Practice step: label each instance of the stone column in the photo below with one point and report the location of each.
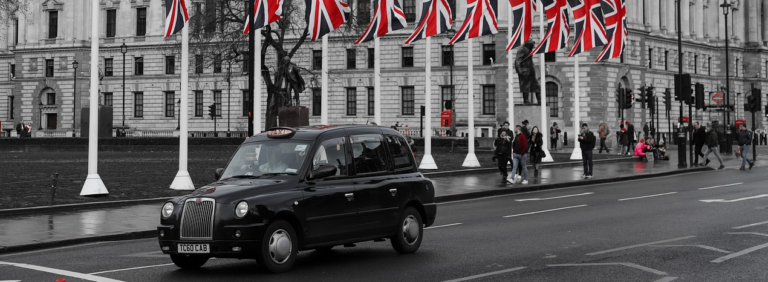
(671, 15)
(697, 13)
(764, 21)
(686, 18)
(753, 24)
(461, 10)
(737, 19)
(711, 13)
(654, 15)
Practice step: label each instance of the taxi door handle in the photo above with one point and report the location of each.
(350, 196)
(393, 191)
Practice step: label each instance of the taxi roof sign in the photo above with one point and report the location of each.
(281, 132)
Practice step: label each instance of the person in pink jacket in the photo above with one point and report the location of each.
(640, 148)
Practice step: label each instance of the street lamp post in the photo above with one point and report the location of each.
(727, 149)
(74, 98)
(123, 49)
(229, 96)
(178, 104)
(40, 106)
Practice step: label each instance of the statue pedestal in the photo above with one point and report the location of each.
(532, 113)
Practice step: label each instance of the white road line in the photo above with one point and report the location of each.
(698, 246)
(439, 226)
(538, 212)
(740, 253)
(558, 197)
(485, 274)
(627, 264)
(132, 268)
(721, 186)
(750, 225)
(649, 196)
(666, 279)
(61, 272)
(748, 233)
(735, 200)
(639, 245)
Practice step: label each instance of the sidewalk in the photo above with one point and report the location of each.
(57, 228)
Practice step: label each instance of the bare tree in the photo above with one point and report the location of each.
(10, 7)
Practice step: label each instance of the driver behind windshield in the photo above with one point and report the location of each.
(274, 162)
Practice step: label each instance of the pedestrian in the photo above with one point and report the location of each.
(603, 133)
(641, 149)
(29, 129)
(554, 135)
(661, 149)
(587, 143)
(764, 136)
(698, 141)
(712, 147)
(646, 130)
(745, 141)
(519, 153)
(504, 127)
(502, 153)
(624, 140)
(524, 129)
(20, 129)
(632, 132)
(535, 143)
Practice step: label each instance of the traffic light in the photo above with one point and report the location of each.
(699, 96)
(212, 110)
(649, 99)
(667, 99)
(757, 93)
(683, 87)
(628, 98)
(641, 97)
(620, 97)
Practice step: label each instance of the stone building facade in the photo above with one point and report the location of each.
(38, 47)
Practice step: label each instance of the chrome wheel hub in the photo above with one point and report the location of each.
(410, 230)
(280, 246)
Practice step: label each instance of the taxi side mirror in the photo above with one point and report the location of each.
(323, 171)
(218, 173)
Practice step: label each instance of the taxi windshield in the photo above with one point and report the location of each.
(254, 160)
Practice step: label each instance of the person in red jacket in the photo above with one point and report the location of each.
(519, 154)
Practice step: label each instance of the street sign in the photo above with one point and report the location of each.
(717, 98)
(685, 120)
(739, 122)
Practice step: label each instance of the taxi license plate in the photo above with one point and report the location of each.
(193, 249)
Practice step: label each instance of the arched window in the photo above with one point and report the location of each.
(552, 98)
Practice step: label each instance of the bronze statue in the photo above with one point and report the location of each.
(294, 80)
(526, 72)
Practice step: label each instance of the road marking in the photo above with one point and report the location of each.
(666, 279)
(61, 272)
(538, 212)
(750, 225)
(649, 196)
(486, 274)
(740, 253)
(639, 245)
(627, 264)
(559, 197)
(439, 226)
(748, 233)
(132, 268)
(698, 246)
(721, 186)
(735, 200)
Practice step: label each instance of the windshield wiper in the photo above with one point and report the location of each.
(277, 173)
(243, 176)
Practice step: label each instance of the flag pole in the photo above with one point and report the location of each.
(376, 81)
(257, 83)
(576, 154)
(182, 181)
(510, 68)
(428, 162)
(471, 159)
(324, 86)
(93, 185)
(547, 156)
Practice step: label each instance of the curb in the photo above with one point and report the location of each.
(76, 241)
(81, 206)
(543, 165)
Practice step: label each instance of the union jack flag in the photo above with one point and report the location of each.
(590, 25)
(481, 20)
(266, 11)
(615, 13)
(557, 27)
(176, 16)
(387, 17)
(435, 19)
(522, 11)
(324, 16)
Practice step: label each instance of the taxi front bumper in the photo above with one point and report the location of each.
(226, 243)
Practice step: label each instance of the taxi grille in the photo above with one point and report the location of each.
(197, 219)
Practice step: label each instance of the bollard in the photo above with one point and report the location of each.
(54, 182)
(565, 139)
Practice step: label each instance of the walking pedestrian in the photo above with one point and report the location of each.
(502, 152)
(745, 141)
(519, 153)
(632, 133)
(554, 135)
(603, 133)
(535, 150)
(587, 143)
(504, 127)
(624, 140)
(646, 130)
(712, 147)
(764, 136)
(20, 129)
(698, 141)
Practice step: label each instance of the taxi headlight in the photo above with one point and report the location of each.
(167, 210)
(241, 209)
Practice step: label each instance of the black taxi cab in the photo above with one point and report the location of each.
(308, 188)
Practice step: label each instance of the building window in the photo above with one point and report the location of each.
(317, 59)
(217, 101)
(111, 22)
(410, 10)
(447, 51)
(552, 90)
(489, 54)
(170, 104)
(108, 99)
(198, 63)
(246, 103)
(13, 70)
(696, 64)
(650, 58)
(363, 12)
(141, 21)
(371, 100)
(489, 99)
(452, 4)
(408, 100)
(49, 68)
(246, 63)
(138, 66)
(108, 67)
(197, 20)
(170, 64)
(15, 33)
(51, 99)
(316, 103)
(138, 104)
(351, 101)
(550, 57)
(666, 60)
(10, 106)
(709, 66)
(736, 68)
(407, 57)
(53, 24)
(198, 103)
(371, 57)
(446, 95)
(217, 64)
(210, 17)
(351, 59)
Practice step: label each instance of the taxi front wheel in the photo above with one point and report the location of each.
(410, 230)
(279, 248)
(188, 262)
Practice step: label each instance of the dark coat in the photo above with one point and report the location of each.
(745, 137)
(554, 133)
(524, 130)
(588, 143)
(535, 146)
(712, 139)
(624, 140)
(631, 130)
(520, 144)
(509, 132)
(700, 136)
(503, 146)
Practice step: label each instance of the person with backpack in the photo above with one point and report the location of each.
(745, 141)
(587, 143)
(712, 147)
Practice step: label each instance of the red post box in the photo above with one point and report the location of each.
(445, 118)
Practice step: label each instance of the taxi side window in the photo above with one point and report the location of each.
(368, 153)
(400, 151)
(333, 152)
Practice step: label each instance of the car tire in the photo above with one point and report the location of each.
(188, 261)
(410, 231)
(278, 248)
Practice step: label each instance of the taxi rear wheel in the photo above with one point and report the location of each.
(409, 233)
(188, 262)
(279, 248)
